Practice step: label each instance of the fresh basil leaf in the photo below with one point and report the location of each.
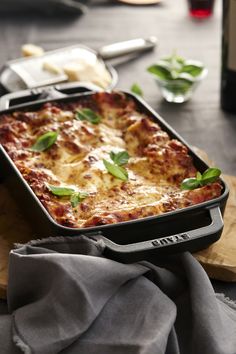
(116, 171)
(190, 183)
(165, 64)
(88, 115)
(179, 86)
(180, 60)
(61, 191)
(179, 74)
(193, 70)
(121, 158)
(186, 77)
(135, 88)
(199, 176)
(177, 58)
(210, 175)
(160, 71)
(173, 64)
(76, 198)
(113, 156)
(44, 142)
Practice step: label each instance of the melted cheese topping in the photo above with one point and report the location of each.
(156, 167)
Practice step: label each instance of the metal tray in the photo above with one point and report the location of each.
(27, 72)
(191, 228)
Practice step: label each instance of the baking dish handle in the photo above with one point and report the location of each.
(215, 227)
(46, 92)
(131, 46)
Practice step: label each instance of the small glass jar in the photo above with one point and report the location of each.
(180, 89)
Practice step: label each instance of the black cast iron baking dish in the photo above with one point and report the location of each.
(191, 228)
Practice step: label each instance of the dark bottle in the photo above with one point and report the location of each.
(228, 70)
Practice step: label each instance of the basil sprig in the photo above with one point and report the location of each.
(174, 67)
(44, 142)
(60, 191)
(75, 197)
(135, 88)
(192, 69)
(161, 70)
(209, 176)
(88, 114)
(115, 169)
(121, 158)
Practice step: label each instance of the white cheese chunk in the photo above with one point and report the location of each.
(82, 71)
(52, 68)
(30, 50)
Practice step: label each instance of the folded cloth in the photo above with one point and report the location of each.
(64, 296)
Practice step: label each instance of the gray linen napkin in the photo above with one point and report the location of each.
(65, 297)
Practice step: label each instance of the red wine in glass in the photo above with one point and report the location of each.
(201, 8)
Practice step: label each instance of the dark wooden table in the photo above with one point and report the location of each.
(200, 121)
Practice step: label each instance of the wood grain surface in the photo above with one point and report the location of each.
(13, 229)
(219, 259)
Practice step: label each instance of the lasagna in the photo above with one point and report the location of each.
(155, 167)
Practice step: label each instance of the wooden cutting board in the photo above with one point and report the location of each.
(13, 229)
(219, 259)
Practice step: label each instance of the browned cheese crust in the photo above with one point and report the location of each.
(156, 167)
